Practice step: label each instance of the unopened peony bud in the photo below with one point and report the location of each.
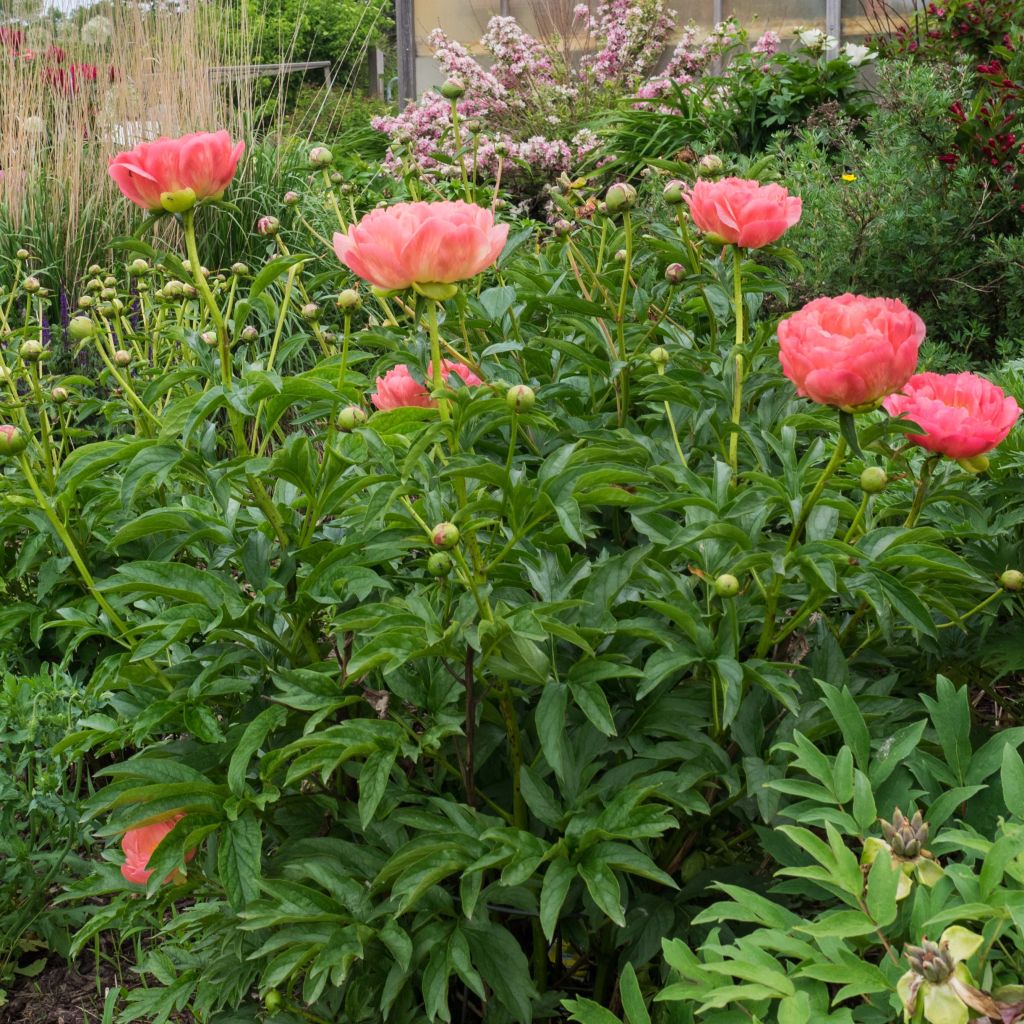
(350, 417)
(122, 357)
(208, 338)
(520, 398)
(337, 177)
(105, 309)
(727, 585)
(1012, 580)
(659, 356)
(453, 89)
(562, 227)
(873, 480)
(12, 440)
(106, 294)
(94, 284)
(268, 226)
(81, 327)
(23, 254)
(674, 193)
(189, 291)
(710, 165)
(445, 535)
(249, 333)
(31, 285)
(95, 269)
(239, 269)
(85, 302)
(111, 282)
(272, 1000)
(674, 273)
(174, 289)
(31, 351)
(349, 300)
(59, 395)
(620, 256)
(439, 563)
(620, 197)
(290, 199)
(320, 156)
(311, 312)
(138, 268)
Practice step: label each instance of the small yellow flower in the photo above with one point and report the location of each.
(849, 177)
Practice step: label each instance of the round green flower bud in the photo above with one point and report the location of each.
(709, 165)
(727, 585)
(239, 269)
(268, 226)
(320, 156)
(12, 440)
(272, 1000)
(562, 227)
(81, 327)
(138, 268)
(208, 338)
(290, 199)
(675, 192)
(350, 417)
(105, 309)
(1012, 580)
(873, 480)
(620, 256)
(659, 356)
(249, 333)
(439, 563)
(85, 302)
(31, 285)
(59, 395)
(23, 254)
(31, 351)
(520, 398)
(123, 357)
(311, 312)
(174, 289)
(674, 273)
(106, 294)
(620, 197)
(189, 291)
(349, 299)
(445, 535)
(453, 89)
(95, 269)
(337, 177)
(975, 464)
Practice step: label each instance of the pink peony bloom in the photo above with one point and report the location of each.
(421, 243)
(962, 414)
(850, 351)
(138, 845)
(742, 212)
(398, 387)
(159, 175)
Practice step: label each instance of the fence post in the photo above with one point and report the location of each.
(375, 72)
(834, 21)
(405, 30)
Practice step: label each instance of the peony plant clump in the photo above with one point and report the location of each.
(454, 592)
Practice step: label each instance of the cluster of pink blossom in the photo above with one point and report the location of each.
(768, 44)
(521, 64)
(691, 58)
(634, 33)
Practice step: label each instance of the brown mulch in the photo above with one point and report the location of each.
(64, 994)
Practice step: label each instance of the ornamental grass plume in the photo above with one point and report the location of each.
(850, 351)
(409, 244)
(741, 212)
(961, 415)
(398, 388)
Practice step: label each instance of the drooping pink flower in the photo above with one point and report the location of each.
(140, 843)
(743, 212)
(962, 415)
(850, 351)
(159, 175)
(421, 243)
(398, 388)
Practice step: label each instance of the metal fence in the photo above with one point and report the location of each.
(465, 20)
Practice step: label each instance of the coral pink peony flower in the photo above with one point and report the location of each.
(421, 243)
(398, 387)
(172, 174)
(138, 845)
(962, 415)
(850, 351)
(742, 212)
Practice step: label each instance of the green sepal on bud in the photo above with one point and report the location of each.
(178, 202)
(12, 440)
(350, 417)
(348, 300)
(1012, 580)
(659, 356)
(80, 328)
(439, 563)
(873, 480)
(445, 536)
(727, 585)
(439, 291)
(974, 465)
(520, 398)
(453, 89)
(675, 193)
(620, 197)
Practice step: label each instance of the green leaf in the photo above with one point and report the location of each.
(632, 998)
(239, 855)
(883, 881)
(251, 740)
(951, 715)
(1012, 777)
(586, 1011)
(553, 891)
(603, 887)
(550, 721)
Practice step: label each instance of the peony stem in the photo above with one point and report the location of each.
(920, 494)
(435, 359)
(737, 384)
(819, 487)
(620, 316)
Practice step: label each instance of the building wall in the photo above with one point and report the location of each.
(465, 20)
